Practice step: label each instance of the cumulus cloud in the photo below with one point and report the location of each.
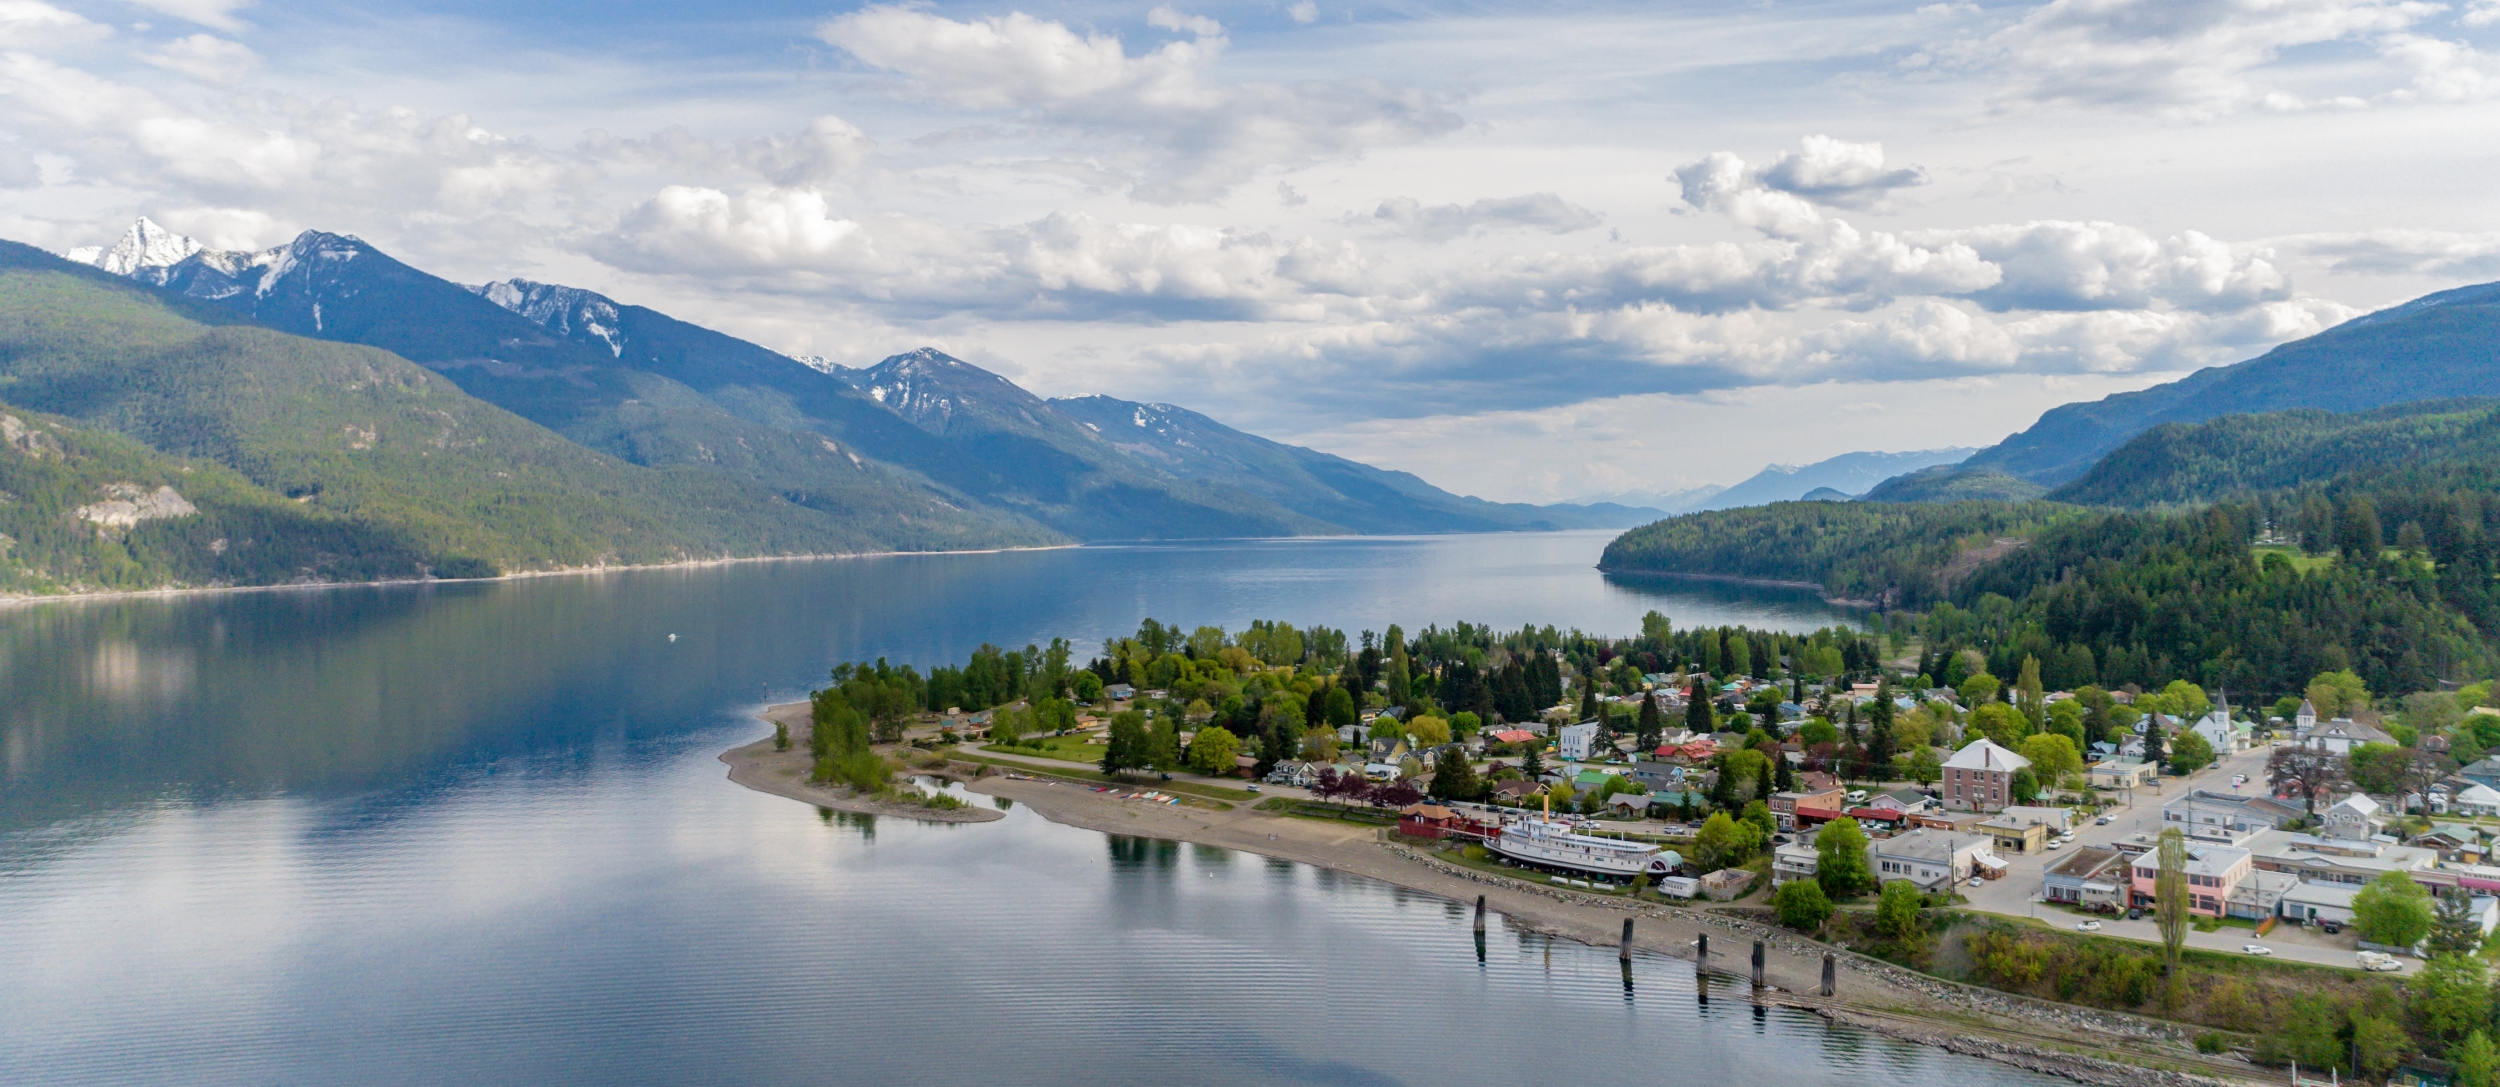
(1829, 171)
(2055, 265)
(1182, 136)
(34, 25)
(2186, 59)
(2440, 70)
(1064, 266)
(1541, 211)
(207, 58)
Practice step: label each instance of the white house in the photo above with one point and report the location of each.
(1931, 859)
(2341, 735)
(2306, 717)
(1576, 741)
(2475, 799)
(2354, 818)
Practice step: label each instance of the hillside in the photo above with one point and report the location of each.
(1311, 483)
(2239, 455)
(361, 434)
(1954, 483)
(2437, 347)
(88, 509)
(1896, 554)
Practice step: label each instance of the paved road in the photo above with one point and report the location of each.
(2018, 894)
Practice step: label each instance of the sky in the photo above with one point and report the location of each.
(1532, 252)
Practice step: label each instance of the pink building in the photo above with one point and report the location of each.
(2213, 872)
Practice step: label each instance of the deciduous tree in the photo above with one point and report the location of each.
(1840, 859)
(2393, 910)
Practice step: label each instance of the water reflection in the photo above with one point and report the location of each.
(335, 691)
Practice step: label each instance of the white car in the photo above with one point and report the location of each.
(2377, 962)
(2057, 843)
(2087, 926)
(2257, 949)
(2102, 821)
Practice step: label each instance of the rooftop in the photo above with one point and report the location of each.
(1985, 754)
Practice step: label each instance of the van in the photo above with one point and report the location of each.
(1857, 796)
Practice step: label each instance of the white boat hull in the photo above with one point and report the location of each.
(1576, 852)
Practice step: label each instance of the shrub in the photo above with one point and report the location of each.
(1802, 905)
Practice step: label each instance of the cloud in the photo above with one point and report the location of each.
(1306, 12)
(2056, 265)
(34, 25)
(2481, 13)
(18, 169)
(1541, 211)
(1064, 266)
(2440, 253)
(1166, 18)
(1830, 171)
(2183, 59)
(828, 148)
(1178, 135)
(2441, 71)
(207, 58)
(210, 13)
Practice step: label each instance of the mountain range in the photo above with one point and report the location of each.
(642, 426)
(2437, 347)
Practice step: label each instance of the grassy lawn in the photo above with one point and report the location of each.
(1334, 813)
(2300, 562)
(1069, 748)
(1190, 788)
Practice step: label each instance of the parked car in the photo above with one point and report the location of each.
(2378, 962)
(2057, 843)
(2331, 927)
(2257, 949)
(1253, 787)
(2102, 821)
(2135, 913)
(2087, 926)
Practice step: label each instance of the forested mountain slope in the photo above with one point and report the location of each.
(2243, 454)
(359, 433)
(2437, 347)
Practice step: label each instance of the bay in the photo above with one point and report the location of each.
(475, 834)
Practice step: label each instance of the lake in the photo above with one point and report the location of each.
(475, 834)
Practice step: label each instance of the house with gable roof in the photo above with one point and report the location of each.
(1980, 776)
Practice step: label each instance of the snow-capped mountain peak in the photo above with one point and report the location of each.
(560, 309)
(144, 245)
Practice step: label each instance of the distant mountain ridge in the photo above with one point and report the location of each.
(1315, 484)
(919, 430)
(1848, 473)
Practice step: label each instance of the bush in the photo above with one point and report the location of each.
(463, 567)
(1802, 905)
(1896, 910)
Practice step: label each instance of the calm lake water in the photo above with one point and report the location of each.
(475, 834)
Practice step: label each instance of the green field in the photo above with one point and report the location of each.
(1069, 748)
